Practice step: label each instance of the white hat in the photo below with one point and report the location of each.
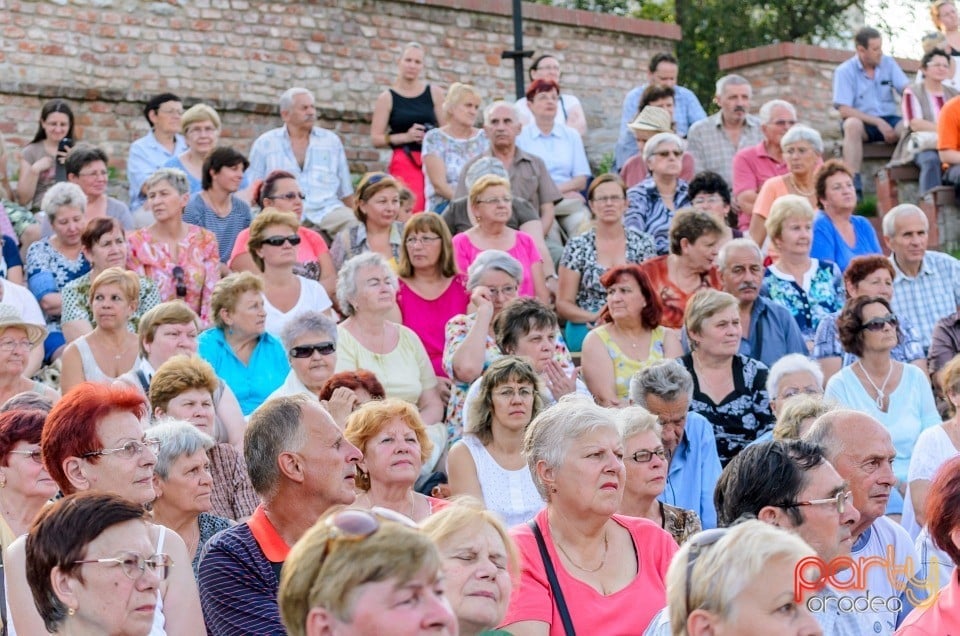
(10, 317)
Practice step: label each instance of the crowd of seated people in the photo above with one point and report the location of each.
(257, 398)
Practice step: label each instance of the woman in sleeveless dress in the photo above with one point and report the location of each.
(402, 115)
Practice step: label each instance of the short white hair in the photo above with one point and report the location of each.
(890, 218)
(286, 100)
(732, 80)
(742, 243)
(488, 111)
(791, 363)
(766, 111)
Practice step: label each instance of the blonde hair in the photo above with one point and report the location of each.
(172, 312)
(127, 281)
(469, 513)
(795, 411)
(227, 292)
(457, 93)
(199, 113)
(258, 227)
(787, 207)
(703, 305)
(484, 182)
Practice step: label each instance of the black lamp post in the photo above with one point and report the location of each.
(517, 54)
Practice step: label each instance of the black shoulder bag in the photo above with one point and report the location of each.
(554, 583)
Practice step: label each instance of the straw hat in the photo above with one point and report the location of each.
(10, 317)
(653, 118)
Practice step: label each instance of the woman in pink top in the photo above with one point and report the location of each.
(431, 290)
(611, 569)
(490, 203)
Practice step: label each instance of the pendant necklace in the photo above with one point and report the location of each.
(879, 389)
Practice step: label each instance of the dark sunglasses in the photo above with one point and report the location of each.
(277, 241)
(305, 351)
(878, 323)
(178, 277)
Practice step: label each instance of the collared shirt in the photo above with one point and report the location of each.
(944, 342)
(647, 212)
(931, 295)
(753, 166)
(686, 112)
(268, 361)
(712, 149)
(529, 179)
(694, 471)
(324, 177)
(561, 150)
(871, 96)
(147, 155)
(353, 241)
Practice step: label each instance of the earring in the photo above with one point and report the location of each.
(71, 611)
(3, 480)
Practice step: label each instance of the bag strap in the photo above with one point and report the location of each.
(552, 577)
(3, 599)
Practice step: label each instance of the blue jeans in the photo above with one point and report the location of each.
(929, 163)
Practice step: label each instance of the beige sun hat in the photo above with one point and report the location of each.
(10, 317)
(653, 118)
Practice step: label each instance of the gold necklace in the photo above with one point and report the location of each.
(603, 559)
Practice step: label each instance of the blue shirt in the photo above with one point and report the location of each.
(268, 363)
(931, 295)
(828, 245)
(686, 111)
(147, 155)
(694, 471)
(561, 150)
(647, 213)
(324, 178)
(852, 87)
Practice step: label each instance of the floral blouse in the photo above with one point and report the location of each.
(580, 255)
(455, 154)
(76, 301)
(198, 255)
(820, 294)
(742, 416)
(679, 522)
(48, 271)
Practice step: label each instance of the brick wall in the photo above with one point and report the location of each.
(107, 56)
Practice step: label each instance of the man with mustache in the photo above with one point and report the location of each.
(862, 451)
(715, 140)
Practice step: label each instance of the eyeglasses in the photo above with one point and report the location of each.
(205, 130)
(708, 199)
(510, 394)
(178, 277)
(698, 545)
(129, 450)
(808, 390)
(421, 240)
(669, 153)
(878, 323)
(604, 200)
(840, 501)
(496, 201)
(355, 525)
(94, 173)
(10, 345)
(646, 456)
(170, 111)
(305, 351)
(783, 123)
(288, 196)
(506, 290)
(134, 565)
(277, 241)
(32, 454)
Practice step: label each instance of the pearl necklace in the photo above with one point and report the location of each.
(879, 389)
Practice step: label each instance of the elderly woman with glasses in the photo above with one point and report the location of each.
(791, 377)
(92, 568)
(200, 127)
(184, 485)
(182, 259)
(652, 203)
(18, 339)
(25, 485)
(897, 395)
(93, 441)
(610, 568)
(86, 166)
(377, 208)
(310, 340)
(645, 461)
(364, 573)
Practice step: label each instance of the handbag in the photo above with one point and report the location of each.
(552, 577)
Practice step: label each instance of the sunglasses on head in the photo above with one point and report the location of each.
(372, 180)
(178, 277)
(878, 323)
(305, 351)
(699, 544)
(277, 241)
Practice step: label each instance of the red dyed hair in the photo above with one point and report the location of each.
(19, 426)
(353, 380)
(71, 427)
(652, 311)
(943, 507)
(541, 86)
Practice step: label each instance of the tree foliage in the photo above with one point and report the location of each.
(713, 27)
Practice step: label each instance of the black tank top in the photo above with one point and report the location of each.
(408, 111)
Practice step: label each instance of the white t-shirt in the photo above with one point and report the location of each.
(932, 450)
(313, 297)
(569, 102)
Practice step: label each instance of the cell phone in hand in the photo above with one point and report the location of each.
(64, 146)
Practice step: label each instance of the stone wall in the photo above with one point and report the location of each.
(107, 56)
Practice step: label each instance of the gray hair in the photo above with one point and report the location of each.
(496, 260)
(737, 244)
(274, 428)
(307, 322)
(173, 176)
(650, 148)
(890, 218)
(731, 80)
(286, 100)
(666, 379)
(791, 363)
(634, 420)
(802, 133)
(549, 435)
(347, 278)
(488, 111)
(766, 111)
(63, 195)
(177, 438)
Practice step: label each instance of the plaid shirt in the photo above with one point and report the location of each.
(713, 150)
(232, 495)
(931, 295)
